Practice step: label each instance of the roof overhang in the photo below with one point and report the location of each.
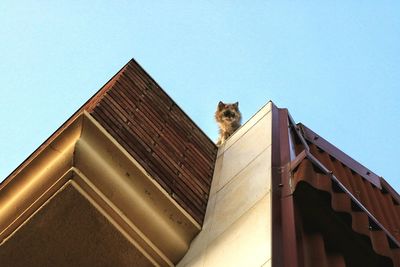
(326, 206)
(88, 159)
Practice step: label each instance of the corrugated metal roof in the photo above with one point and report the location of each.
(341, 214)
(345, 230)
(334, 152)
(152, 128)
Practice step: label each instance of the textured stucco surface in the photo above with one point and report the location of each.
(69, 231)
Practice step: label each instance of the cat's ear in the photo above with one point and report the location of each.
(236, 105)
(221, 105)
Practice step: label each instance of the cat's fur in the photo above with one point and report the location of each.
(228, 118)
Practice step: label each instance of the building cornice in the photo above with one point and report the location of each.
(85, 155)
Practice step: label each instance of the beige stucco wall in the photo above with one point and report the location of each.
(237, 226)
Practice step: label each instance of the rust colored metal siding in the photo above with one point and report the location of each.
(340, 213)
(334, 220)
(334, 152)
(158, 134)
(372, 191)
(284, 245)
(378, 202)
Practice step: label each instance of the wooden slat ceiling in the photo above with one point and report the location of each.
(134, 109)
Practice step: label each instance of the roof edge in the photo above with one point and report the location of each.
(354, 165)
(59, 130)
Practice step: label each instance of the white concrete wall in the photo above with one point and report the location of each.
(237, 226)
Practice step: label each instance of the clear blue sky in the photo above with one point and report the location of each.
(334, 64)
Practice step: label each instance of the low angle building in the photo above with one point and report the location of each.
(131, 180)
